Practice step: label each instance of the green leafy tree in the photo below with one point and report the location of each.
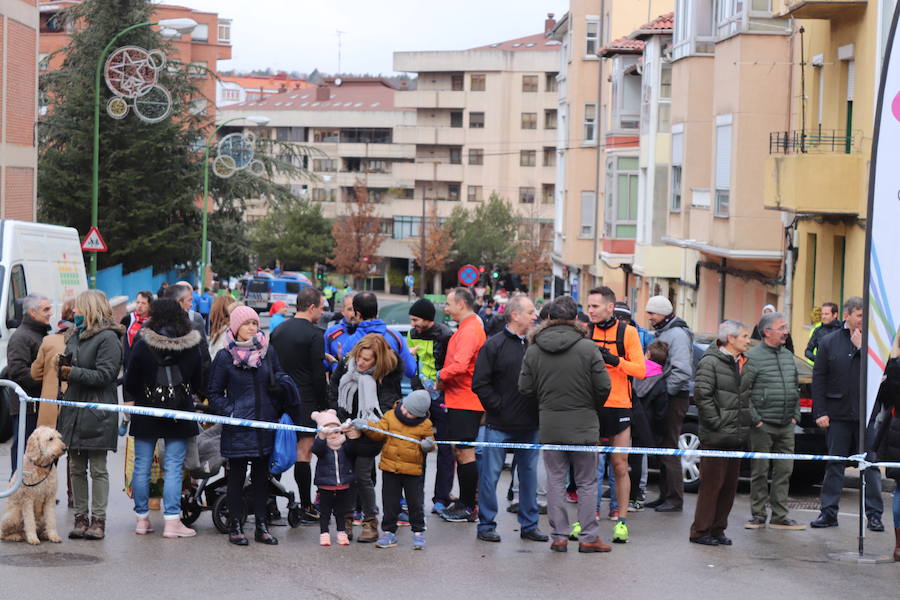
(485, 236)
(294, 234)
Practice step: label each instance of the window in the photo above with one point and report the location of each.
(677, 160)
(476, 120)
(529, 83)
(526, 195)
(200, 33)
(367, 135)
(17, 290)
(198, 106)
(626, 93)
(548, 193)
(406, 227)
(527, 158)
(549, 156)
(456, 118)
(529, 120)
(550, 118)
(622, 197)
(476, 156)
(590, 123)
(476, 82)
(326, 135)
(325, 165)
(550, 83)
(197, 68)
(728, 16)
(693, 28)
(290, 134)
(375, 166)
(723, 165)
(455, 156)
(44, 62)
(453, 192)
(591, 37)
(475, 193)
(299, 190)
(588, 212)
(456, 82)
(324, 195)
(224, 32)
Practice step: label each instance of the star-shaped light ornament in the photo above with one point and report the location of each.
(132, 73)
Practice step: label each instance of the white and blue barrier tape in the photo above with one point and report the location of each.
(209, 418)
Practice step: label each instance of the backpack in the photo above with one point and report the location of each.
(169, 390)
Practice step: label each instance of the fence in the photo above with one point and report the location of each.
(115, 282)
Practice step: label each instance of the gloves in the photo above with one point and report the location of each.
(609, 358)
(360, 423)
(427, 445)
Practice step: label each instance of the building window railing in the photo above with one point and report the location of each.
(815, 141)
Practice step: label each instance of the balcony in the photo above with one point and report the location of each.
(427, 171)
(823, 9)
(815, 174)
(374, 180)
(430, 99)
(377, 150)
(443, 136)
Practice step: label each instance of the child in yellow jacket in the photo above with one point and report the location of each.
(403, 464)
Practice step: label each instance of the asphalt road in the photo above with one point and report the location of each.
(658, 562)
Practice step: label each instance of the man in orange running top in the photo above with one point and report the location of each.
(620, 345)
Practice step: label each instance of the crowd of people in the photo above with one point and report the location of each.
(559, 376)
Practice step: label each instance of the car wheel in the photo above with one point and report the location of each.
(690, 465)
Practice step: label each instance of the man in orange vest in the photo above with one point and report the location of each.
(620, 345)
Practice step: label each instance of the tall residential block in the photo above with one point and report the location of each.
(18, 108)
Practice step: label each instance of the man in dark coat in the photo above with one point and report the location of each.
(831, 322)
(21, 351)
(510, 418)
(835, 390)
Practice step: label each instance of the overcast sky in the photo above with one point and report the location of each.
(300, 35)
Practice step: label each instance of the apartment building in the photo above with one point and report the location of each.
(599, 110)
(355, 124)
(730, 69)
(249, 88)
(816, 173)
(199, 50)
(19, 23)
(485, 121)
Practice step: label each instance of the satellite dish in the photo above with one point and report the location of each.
(338, 81)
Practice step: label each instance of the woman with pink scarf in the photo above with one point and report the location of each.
(246, 382)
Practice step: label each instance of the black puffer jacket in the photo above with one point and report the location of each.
(496, 381)
(724, 413)
(835, 384)
(885, 418)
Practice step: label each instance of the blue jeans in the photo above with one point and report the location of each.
(140, 481)
(601, 468)
(491, 461)
(897, 507)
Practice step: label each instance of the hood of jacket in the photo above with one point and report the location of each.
(98, 328)
(165, 343)
(674, 324)
(371, 326)
(555, 336)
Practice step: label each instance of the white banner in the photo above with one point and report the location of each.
(882, 275)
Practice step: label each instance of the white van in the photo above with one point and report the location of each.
(36, 258)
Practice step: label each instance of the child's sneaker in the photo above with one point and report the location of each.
(620, 533)
(613, 515)
(357, 517)
(387, 540)
(572, 497)
(419, 540)
(325, 539)
(575, 531)
(343, 539)
(403, 518)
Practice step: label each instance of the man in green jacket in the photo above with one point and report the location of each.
(769, 380)
(565, 373)
(724, 425)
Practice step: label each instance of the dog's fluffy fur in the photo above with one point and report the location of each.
(30, 512)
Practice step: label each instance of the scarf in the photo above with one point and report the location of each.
(664, 322)
(137, 322)
(354, 381)
(249, 354)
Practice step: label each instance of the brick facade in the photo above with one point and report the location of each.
(18, 192)
(21, 77)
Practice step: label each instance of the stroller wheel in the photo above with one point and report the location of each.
(294, 517)
(190, 510)
(220, 515)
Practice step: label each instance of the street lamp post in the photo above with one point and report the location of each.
(255, 120)
(169, 27)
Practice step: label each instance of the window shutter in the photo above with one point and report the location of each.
(723, 157)
(677, 149)
(851, 79)
(588, 217)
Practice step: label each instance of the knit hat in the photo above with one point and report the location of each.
(659, 305)
(418, 403)
(422, 308)
(326, 418)
(241, 315)
(276, 306)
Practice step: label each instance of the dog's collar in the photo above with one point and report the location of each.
(26, 484)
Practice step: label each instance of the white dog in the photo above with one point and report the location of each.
(30, 512)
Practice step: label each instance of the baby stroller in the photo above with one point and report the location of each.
(208, 495)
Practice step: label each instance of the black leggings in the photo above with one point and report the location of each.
(259, 481)
(334, 502)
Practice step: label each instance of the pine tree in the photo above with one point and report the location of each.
(357, 236)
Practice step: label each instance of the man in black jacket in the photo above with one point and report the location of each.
(835, 390)
(831, 322)
(300, 345)
(510, 418)
(21, 351)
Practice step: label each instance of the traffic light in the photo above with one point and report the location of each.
(495, 275)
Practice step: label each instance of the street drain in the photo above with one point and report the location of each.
(804, 503)
(49, 559)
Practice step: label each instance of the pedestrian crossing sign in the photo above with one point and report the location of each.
(93, 242)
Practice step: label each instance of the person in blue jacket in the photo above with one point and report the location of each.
(365, 308)
(341, 337)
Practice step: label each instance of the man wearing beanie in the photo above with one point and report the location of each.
(427, 340)
(403, 464)
(679, 371)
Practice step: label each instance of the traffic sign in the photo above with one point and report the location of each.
(93, 242)
(409, 280)
(468, 275)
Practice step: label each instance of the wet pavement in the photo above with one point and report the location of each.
(657, 562)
